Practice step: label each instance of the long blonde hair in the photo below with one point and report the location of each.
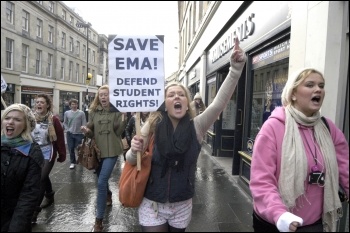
(96, 101)
(156, 117)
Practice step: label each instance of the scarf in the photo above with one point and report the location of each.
(49, 117)
(173, 144)
(13, 142)
(294, 167)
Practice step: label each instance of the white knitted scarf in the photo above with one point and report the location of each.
(294, 168)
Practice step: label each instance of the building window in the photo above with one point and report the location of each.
(51, 6)
(63, 61)
(39, 28)
(71, 44)
(89, 55)
(63, 43)
(9, 11)
(49, 65)
(77, 72)
(38, 62)
(70, 70)
(25, 49)
(71, 20)
(63, 14)
(78, 48)
(93, 56)
(25, 20)
(9, 53)
(84, 51)
(83, 73)
(50, 36)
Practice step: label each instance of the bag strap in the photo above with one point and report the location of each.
(74, 116)
(325, 122)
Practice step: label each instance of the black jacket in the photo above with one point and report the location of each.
(20, 187)
(176, 185)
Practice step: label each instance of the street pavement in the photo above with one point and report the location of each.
(219, 204)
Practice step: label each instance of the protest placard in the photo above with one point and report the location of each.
(136, 73)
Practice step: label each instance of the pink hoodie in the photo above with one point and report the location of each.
(265, 170)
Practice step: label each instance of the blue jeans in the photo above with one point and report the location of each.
(73, 140)
(104, 172)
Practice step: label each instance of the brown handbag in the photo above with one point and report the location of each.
(89, 154)
(132, 183)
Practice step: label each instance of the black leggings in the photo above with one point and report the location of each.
(162, 228)
(45, 183)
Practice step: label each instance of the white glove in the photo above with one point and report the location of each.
(286, 219)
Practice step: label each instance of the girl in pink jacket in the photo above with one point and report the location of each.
(298, 162)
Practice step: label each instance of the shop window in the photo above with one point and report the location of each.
(269, 82)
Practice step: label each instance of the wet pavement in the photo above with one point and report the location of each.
(219, 204)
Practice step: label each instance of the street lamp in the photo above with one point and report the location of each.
(88, 75)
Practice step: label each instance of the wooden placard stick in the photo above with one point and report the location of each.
(138, 133)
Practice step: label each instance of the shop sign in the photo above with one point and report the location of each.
(271, 55)
(36, 90)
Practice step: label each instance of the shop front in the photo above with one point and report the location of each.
(65, 96)
(9, 95)
(258, 31)
(29, 94)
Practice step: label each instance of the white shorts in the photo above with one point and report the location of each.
(177, 214)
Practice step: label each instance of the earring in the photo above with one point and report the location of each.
(293, 98)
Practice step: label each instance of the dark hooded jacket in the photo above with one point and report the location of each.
(20, 185)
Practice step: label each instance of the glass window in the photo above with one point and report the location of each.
(63, 62)
(269, 82)
(63, 42)
(63, 14)
(78, 48)
(51, 6)
(49, 65)
(10, 7)
(50, 37)
(71, 44)
(9, 53)
(25, 49)
(25, 20)
(38, 62)
(39, 28)
(70, 70)
(77, 72)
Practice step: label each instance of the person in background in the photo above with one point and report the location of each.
(106, 127)
(298, 162)
(48, 133)
(21, 163)
(130, 129)
(197, 104)
(73, 120)
(178, 134)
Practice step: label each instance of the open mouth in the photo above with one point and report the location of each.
(178, 106)
(316, 99)
(9, 130)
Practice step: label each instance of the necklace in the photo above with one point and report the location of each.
(313, 153)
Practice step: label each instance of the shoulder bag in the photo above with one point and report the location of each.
(132, 183)
(89, 154)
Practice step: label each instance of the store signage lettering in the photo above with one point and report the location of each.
(244, 30)
(274, 54)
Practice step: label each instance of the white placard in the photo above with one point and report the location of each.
(3, 85)
(136, 72)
